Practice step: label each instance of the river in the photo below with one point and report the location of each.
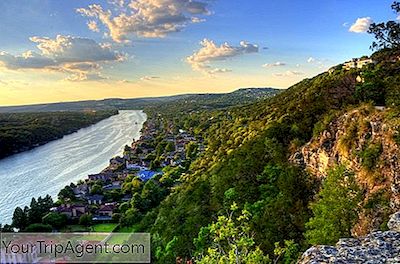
(48, 168)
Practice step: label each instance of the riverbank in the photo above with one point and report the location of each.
(48, 168)
(20, 132)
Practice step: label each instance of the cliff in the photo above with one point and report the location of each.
(363, 139)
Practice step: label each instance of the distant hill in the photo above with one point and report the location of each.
(241, 96)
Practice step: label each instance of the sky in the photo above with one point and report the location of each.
(54, 50)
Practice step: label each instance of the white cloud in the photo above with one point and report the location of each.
(361, 25)
(288, 73)
(146, 18)
(210, 52)
(311, 60)
(275, 64)
(149, 78)
(80, 58)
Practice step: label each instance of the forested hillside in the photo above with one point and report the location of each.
(23, 131)
(240, 96)
(243, 196)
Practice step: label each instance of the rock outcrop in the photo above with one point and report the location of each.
(349, 139)
(375, 248)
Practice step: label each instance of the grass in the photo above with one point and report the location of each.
(130, 229)
(105, 228)
(100, 228)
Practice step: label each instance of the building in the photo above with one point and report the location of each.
(72, 211)
(115, 185)
(95, 199)
(357, 63)
(106, 210)
(101, 177)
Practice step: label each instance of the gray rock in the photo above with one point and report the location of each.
(394, 222)
(375, 248)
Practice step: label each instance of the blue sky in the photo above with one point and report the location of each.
(163, 55)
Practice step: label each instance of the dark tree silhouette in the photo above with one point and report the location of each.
(387, 34)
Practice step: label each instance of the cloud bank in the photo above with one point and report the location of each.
(210, 52)
(79, 58)
(145, 18)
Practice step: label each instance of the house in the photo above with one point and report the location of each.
(101, 177)
(357, 63)
(72, 211)
(106, 210)
(95, 199)
(116, 185)
(134, 166)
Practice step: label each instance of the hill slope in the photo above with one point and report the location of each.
(246, 162)
(245, 95)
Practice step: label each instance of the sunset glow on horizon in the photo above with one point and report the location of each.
(52, 51)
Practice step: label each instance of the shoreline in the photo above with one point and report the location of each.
(67, 170)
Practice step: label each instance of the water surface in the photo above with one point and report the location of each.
(48, 168)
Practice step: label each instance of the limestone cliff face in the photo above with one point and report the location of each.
(375, 248)
(363, 140)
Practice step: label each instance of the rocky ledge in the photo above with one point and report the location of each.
(377, 247)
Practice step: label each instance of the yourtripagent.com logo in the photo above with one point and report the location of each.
(75, 248)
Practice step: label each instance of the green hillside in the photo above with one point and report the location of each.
(246, 161)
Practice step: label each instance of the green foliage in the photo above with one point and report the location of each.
(372, 88)
(335, 210)
(370, 155)
(231, 241)
(86, 220)
(38, 228)
(387, 35)
(23, 131)
(96, 189)
(66, 194)
(20, 219)
(56, 220)
(287, 254)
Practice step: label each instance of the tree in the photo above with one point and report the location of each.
(6, 228)
(56, 220)
(20, 219)
(336, 208)
(39, 208)
(231, 241)
(86, 220)
(66, 193)
(387, 35)
(96, 189)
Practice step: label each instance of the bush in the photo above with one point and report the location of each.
(38, 228)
